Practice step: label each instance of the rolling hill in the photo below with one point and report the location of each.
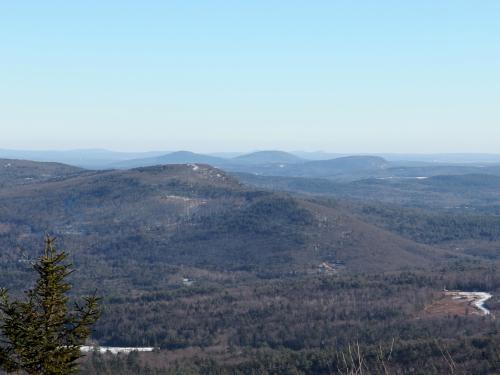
(275, 163)
(22, 172)
(339, 169)
(190, 260)
(343, 167)
(268, 157)
(192, 216)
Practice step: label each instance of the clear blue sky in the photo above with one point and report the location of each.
(341, 76)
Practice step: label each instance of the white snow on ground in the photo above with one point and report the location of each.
(477, 299)
(194, 166)
(185, 199)
(113, 350)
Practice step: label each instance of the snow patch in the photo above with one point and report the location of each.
(114, 349)
(477, 299)
(177, 197)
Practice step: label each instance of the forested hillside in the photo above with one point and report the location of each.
(223, 277)
(22, 172)
(195, 216)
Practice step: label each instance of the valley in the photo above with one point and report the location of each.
(228, 272)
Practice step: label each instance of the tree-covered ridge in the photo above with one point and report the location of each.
(433, 227)
(227, 278)
(190, 215)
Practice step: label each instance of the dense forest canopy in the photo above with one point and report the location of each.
(224, 277)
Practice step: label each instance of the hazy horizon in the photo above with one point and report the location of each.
(237, 152)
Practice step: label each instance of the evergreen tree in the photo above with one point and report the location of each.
(40, 335)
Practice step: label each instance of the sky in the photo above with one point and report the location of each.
(339, 76)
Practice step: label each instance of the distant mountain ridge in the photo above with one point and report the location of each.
(271, 163)
(178, 157)
(268, 157)
(184, 157)
(278, 163)
(324, 168)
(101, 158)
